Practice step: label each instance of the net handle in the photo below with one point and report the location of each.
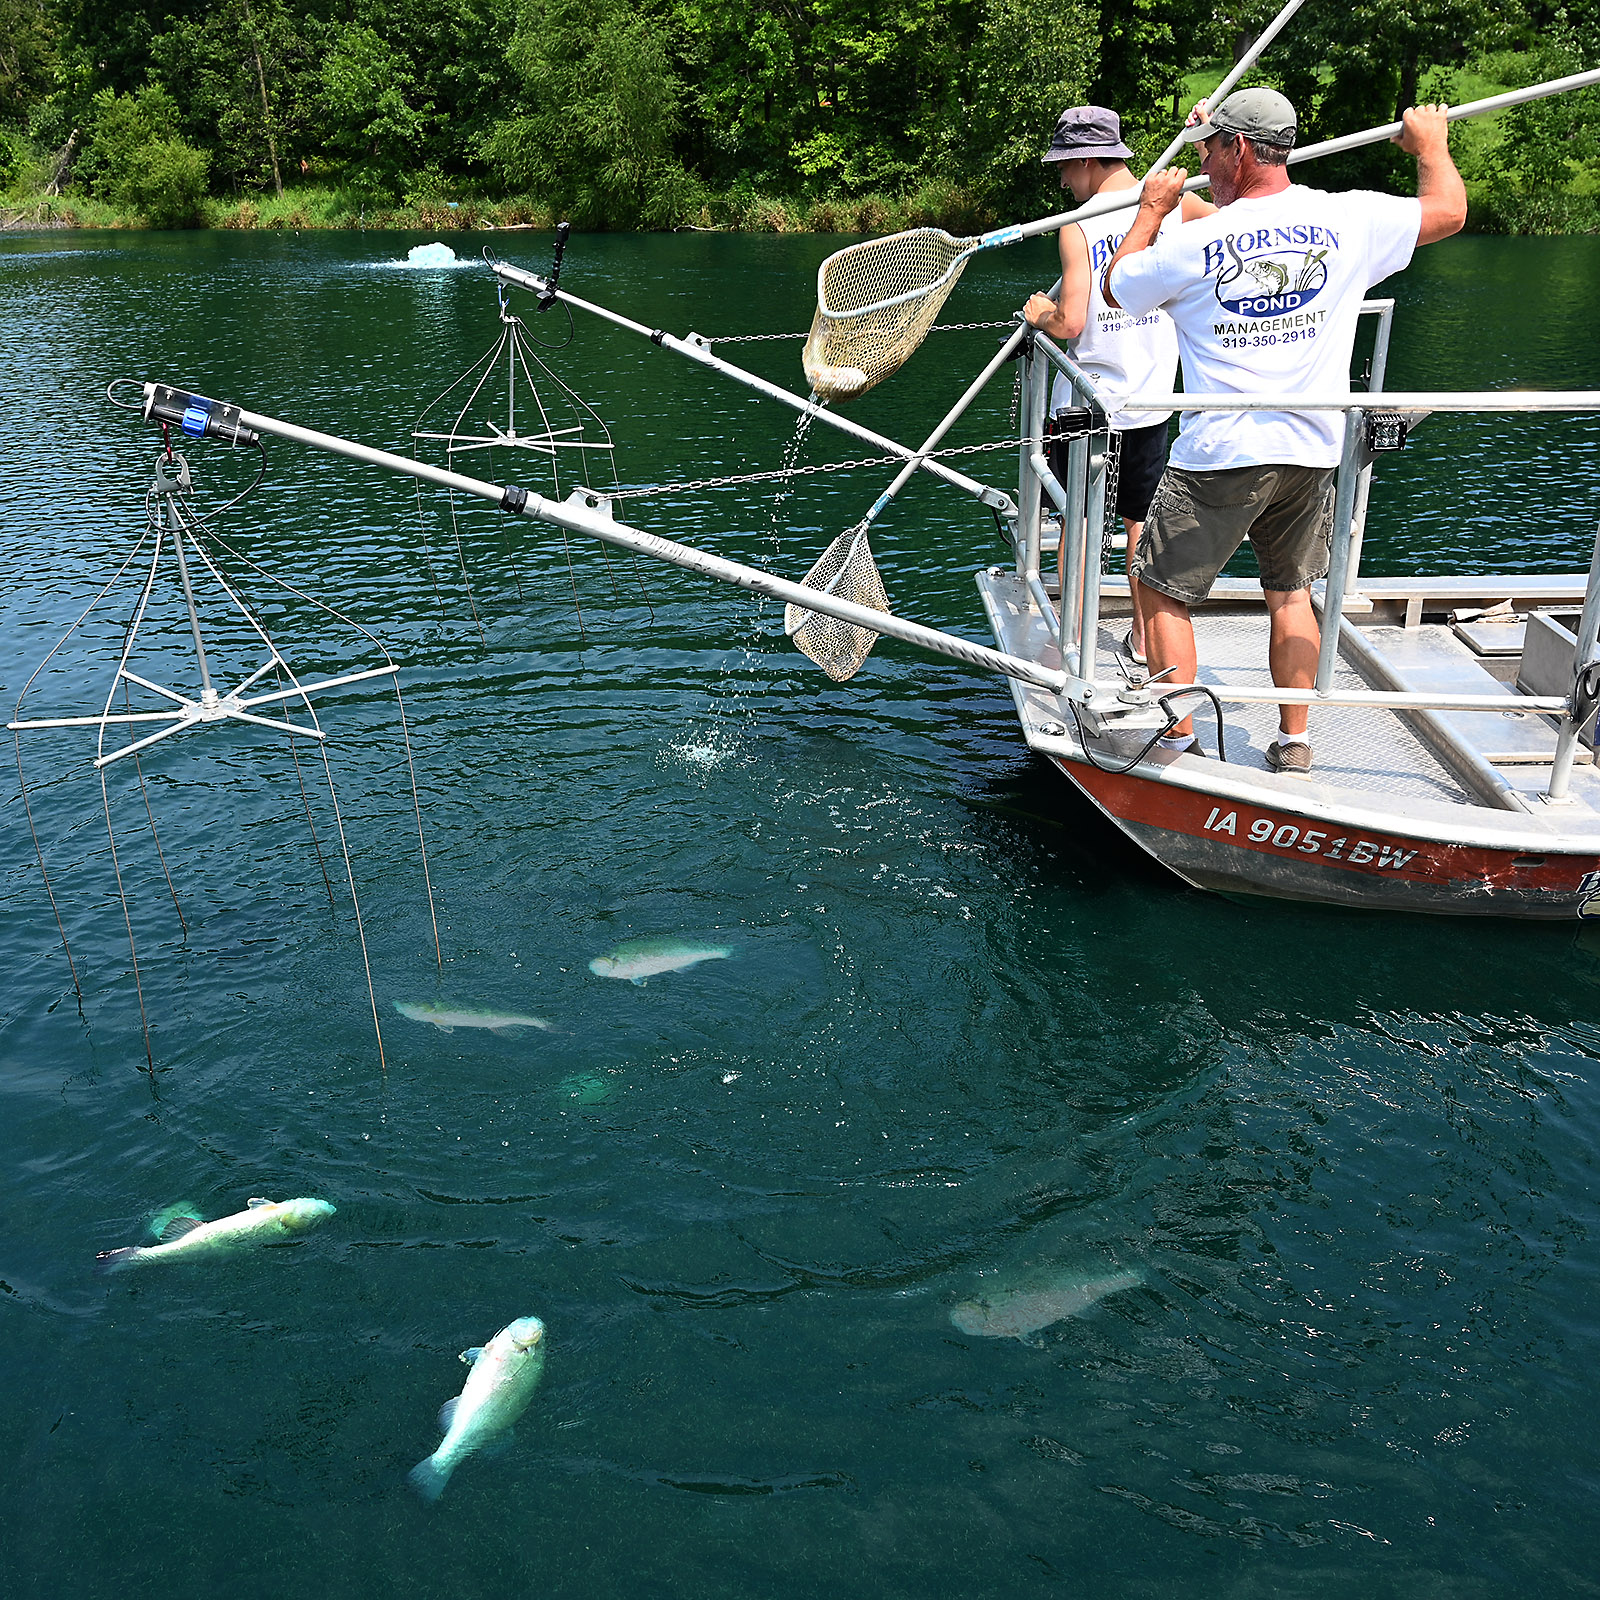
(1240, 67)
(1123, 198)
(970, 248)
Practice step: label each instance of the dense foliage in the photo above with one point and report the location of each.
(658, 113)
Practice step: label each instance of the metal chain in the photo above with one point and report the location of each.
(1111, 522)
(803, 472)
(760, 338)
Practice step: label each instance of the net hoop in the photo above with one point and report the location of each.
(876, 302)
(845, 569)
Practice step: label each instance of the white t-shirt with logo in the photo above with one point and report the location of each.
(1124, 353)
(1265, 295)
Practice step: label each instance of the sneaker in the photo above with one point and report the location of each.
(1293, 758)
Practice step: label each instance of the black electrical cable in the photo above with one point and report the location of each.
(1174, 717)
(545, 344)
(1585, 693)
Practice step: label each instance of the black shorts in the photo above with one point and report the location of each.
(1142, 460)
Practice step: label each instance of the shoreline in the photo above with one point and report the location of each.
(1560, 214)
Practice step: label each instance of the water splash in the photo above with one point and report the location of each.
(700, 753)
(427, 257)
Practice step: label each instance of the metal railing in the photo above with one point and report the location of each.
(1073, 616)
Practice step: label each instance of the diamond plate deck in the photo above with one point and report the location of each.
(1357, 747)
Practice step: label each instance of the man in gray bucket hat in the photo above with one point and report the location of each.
(1265, 295)
(1122, 354)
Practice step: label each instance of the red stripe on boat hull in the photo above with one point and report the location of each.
(1253, 849)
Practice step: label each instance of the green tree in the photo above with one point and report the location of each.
(29, 58)
(1146, 50)
(600, 105)
(166, 184)
(807, 95)
(110, 39)
(1029, 64)
(378, 109)
(134, 158)
(1354, 66)
(1536, 175)
(249, 80)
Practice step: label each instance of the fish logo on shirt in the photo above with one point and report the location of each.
(1267, 271)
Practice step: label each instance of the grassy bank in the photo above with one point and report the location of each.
(933, 204)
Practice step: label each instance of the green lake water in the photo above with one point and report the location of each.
(1338, 1170)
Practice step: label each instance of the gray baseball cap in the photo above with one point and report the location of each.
(1083, 131)
(1256, 113)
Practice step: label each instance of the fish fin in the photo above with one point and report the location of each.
(470, 1356)
(160, 1227)
(498, 1445)
(256, 1202)
(176, 1227)
(428, 1478)
(447, 1413)
(508, 1030)
(639, 983)
(443, 1027)
(113, 1260)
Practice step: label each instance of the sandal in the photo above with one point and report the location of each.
(1135, 656)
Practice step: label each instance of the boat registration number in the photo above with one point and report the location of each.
(1268, 832)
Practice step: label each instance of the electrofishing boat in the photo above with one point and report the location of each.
(1455, 715)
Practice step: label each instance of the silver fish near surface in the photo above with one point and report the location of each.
(504, 1374)
(506, 1024)
(1025, 1309)
(640, 959)
(185, 1237)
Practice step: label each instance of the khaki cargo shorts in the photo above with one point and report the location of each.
(1198, 519)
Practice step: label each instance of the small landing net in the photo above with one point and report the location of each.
(876, 302)
(847, 571)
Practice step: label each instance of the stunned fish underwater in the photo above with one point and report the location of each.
(186, 1238)
(1028, 1308)
(506, 1024)
(639, 959)
(504, 1374)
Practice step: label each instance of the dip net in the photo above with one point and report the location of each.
(847, 571)
(876, 302)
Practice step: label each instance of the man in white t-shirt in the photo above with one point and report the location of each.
(1265, 295)
(1122, 354)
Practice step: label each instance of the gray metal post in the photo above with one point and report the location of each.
(208, 695)
(1344, 499)
(1380, 364)
(1035, 390)
(1072, 546)
(1584, 656)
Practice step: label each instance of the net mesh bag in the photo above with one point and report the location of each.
(875, 304)
(845, 569)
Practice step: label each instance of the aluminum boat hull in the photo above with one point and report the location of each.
(1283, 852)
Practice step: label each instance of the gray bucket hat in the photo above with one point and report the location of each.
(1262, 114)
(1083, 131)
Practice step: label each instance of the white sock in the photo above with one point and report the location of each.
(1290, 738)
(1178, 742)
